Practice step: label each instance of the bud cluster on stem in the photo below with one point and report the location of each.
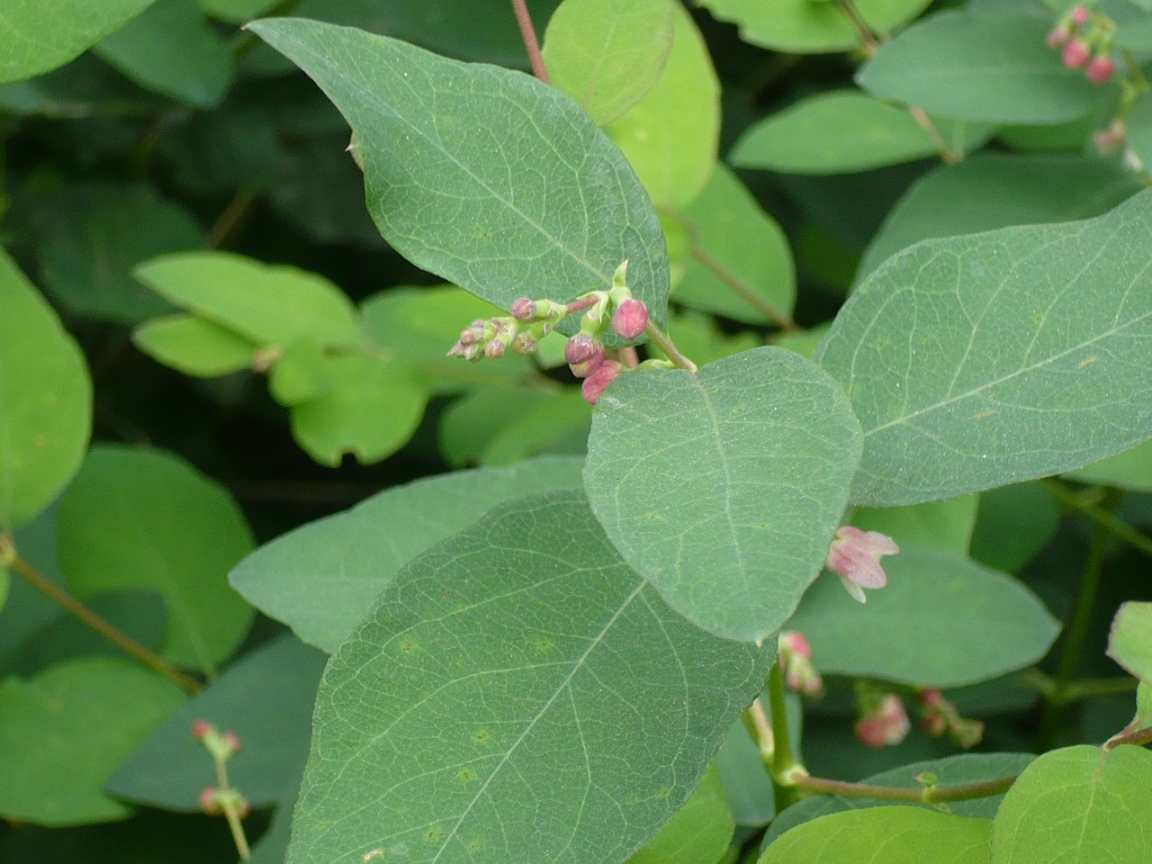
(939, 716)
(222, 799)
(796, 657)
(883, 721)
(1084, 39)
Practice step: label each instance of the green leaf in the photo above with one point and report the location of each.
(1012, 525)
(195, 345)
(64, 732)
(561, 658)
(300, 373)
(950, 771)
(96, 234)
(35, 42)
(266, 698)
(146, 519)
(45, 401)
(945, 525)
(320, 579)
(491, 427)
(747, 785)
(738, 263)
(724, 488)
(984, 360)
(1078, 804)
(671, 135)
(370, 409)
(838, 133)
(171, 49)
(552, 208)
(894, 835)
(1131, 470)
(807, 27)
(1130, 641)
(269, 304)
(698, 834)
(608, 54)
(237, 11)
(986, 68)
(942, 621)
(996, 190)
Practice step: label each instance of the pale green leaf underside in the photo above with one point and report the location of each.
(482, 175)
(488, 707)
(724, 488)
(983, 623)
(321, 578)
(978, 361)
(1130, 642)
(1079, 805)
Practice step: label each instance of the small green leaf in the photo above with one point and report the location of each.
(561, 658)
(269, 304)
(1078, 805)
(266, 698)
(807, 27)
(45, 401)
(171, 49)
(987, 68)
(1130, 642)
(36, 40)
(195, 345)
(550, 209)
(894, 835)
(146, 519)
(300, 373)
(945, 525)
(698, 834)
(984, 360)
(607, 54)
(671, 135)
(738, 263)
(321, 578)
(96, 234)
(724, 488)
(370, 409)
(942, 621)
(1130, 470)
(64, 732)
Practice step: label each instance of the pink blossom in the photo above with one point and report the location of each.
(1101, 69)
(1076, 54)
(885, 726)
(855, 557)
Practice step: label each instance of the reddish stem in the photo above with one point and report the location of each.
(528, 32)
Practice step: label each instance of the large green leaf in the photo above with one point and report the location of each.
(607, 54)
(146, 519)
(941, 621)
(559, 658)
(987, 68)
(943, 525)
(63, 732)
(1130, 642)
(481, 175)
(804, 26)
(984, 360)
(670, 137)
(39, 35)
(724, 488)
(45, 401)
(1013, 524)
(321, 578)
(894, 835)
(266, 698)
(1130, 470)
(1078, 805)
(698, 834)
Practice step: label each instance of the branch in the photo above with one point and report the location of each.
(528, 32)
(868, 42)
(921, 795)
(743, 291)
(1107, 520)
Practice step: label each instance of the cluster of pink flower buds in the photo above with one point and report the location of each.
(938, 715)
(796, 658)
(222, 745)
(854, 556)
(1085, 39)
(214, 801)
(883, 721)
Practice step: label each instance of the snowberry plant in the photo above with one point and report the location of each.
(728, 572)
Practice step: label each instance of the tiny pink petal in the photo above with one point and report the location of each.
(854, 555)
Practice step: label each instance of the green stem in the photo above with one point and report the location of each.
(1107, 520)
(661, 340)
(785, 769)
(1075, 691)
(922, 795)
(231, 814)
(869, 44)
(947, 154)
(743, 290)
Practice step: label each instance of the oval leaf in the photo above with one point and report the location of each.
(45, 401)
(1130, 642)
(559, 657)
(549, 207)
(195, 345)
(724, 488)
(979, 361)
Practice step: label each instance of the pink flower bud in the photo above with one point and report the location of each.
(886, 726)
(201, 729)
(494, 350)
(596, 383)
(793, 642)
(855, 557)
(1058, 37)
(523, 309)
(967, 733)
(232, 741)
(1080, 16)
(630, 319)
(523, 343)
(209, 800)
(1101, 69)
(584, 355)
(1076, 54)
(796, 656)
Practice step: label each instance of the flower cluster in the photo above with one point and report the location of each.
(796, 658)
(222, 746)
(1085, 38)
(938, 715)
(883, 721)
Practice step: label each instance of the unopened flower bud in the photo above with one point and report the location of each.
(967, 733)
(1101, 69)
(523, 309)
(1080, 16)
(1112, 137)
(210, 800)
(854, 556)
(494, 349)
(201, 729)
(596, 383)
(885, 726)
(523, 343)
(1058, 37)
(231, 741)
(584, 355)
(938, 716)
(1076, 54)
(630, 319)
(796, 656)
